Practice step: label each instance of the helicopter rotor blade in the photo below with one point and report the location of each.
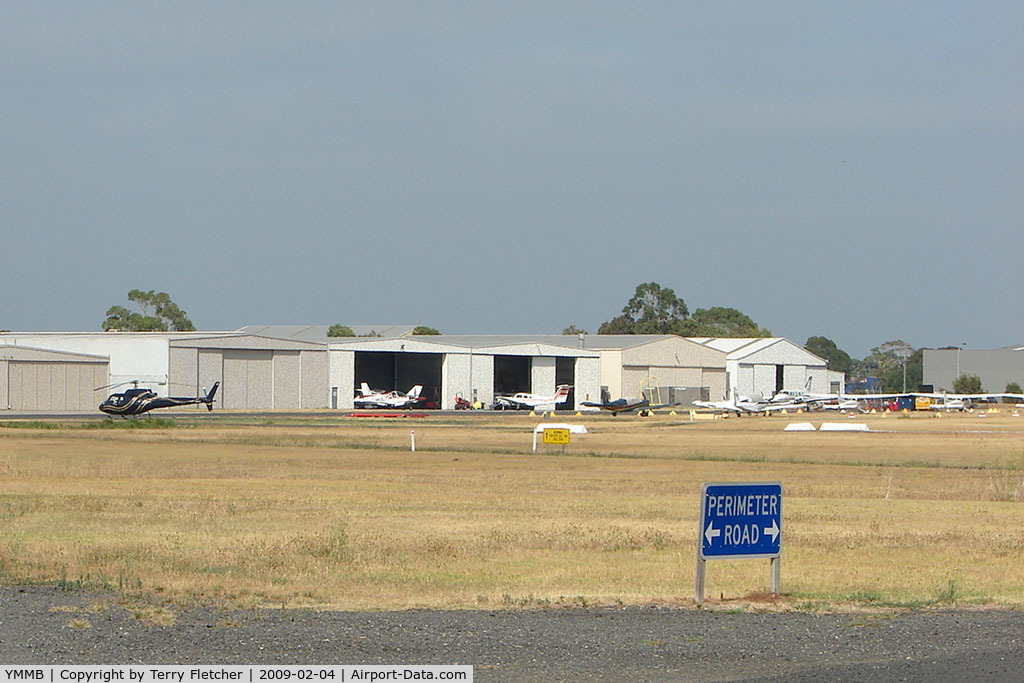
(112, 386)
(135, 382)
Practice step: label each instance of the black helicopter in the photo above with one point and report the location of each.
(136, 401)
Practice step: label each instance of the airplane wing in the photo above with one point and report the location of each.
(981, 397)
(620, 406)
(877, 397)
(793, 405)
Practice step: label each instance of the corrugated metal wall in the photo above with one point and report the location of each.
(287, 380)
(254, 379)
(248, 380)
(46, 385)
(314, 379)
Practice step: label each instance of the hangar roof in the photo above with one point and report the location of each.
(739, 349)
(318, 333)
(588, 342)
(28, 353)
(517, 345)
(246, 342)
(732, 345)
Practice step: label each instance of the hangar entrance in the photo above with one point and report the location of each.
(512, 374)
(565, 373)
(387, 370)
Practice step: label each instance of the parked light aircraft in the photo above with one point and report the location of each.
(805, 395)
(623, 405)
(744, 405)
(725, 405)
(368, 398)
(137, 400)
(526, 401)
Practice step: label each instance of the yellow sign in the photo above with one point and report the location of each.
(556, 436)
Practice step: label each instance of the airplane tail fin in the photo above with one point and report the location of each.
(208, 400)
(415, 391)
(561, 393)
(364, 389)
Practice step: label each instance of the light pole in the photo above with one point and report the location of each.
(958, 361)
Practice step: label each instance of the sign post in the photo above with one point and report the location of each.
(739, 521)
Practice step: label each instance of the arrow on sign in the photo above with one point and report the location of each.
(772, 530)
(711, 532)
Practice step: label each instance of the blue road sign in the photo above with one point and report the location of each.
(741, 520)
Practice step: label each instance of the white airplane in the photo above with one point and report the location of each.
(793, 394)
(525, 401)
(801, 395)
(843, 405)
(951, 404)
(744, 405)
(725, 405)
(368, 398)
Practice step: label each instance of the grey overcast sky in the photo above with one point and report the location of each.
(846, 169)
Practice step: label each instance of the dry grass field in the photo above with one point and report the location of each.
(336, 512)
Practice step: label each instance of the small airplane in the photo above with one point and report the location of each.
(744, 405)
(800, 395)
(624, 405)
(525, 401)
(741, 405)
(368, 398)
(137, 400)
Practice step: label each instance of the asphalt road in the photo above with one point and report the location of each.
(43, 625)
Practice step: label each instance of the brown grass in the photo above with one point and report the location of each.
(334, 512)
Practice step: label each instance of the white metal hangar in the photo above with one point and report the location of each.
(474, 367)
(138, 356)
(256, 373)
(765, 366)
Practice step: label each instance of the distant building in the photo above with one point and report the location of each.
(996, 367)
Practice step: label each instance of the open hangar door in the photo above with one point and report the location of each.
(387, 370)
(565, 373)
(512, 374)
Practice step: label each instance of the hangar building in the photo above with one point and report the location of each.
(299, 367)
(633, 363)
(765, 366)
(475, 367)
(256, 373)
